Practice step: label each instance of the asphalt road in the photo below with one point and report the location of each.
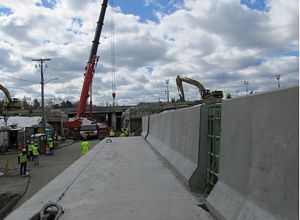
(50, 167)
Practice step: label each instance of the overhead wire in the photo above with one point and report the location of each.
(25, 80)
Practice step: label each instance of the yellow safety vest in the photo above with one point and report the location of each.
(50, 144)
(84, 147)
(30, 147)
(112, 134)
(35, 151)
(23, 158)
(122, 135)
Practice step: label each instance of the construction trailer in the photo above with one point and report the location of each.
(4, 139)
(19, 130)
(12, 138)
(16, 138)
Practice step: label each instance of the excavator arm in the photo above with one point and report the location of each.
(6, 92)
(205, 93)
(12, 103)
(180, 88)
(180, 79)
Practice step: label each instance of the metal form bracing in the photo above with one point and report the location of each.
(213, 147)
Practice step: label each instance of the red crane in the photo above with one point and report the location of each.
(74, 126)
(91, 64)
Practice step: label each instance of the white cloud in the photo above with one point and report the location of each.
(219, 43)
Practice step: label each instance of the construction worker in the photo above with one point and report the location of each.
(22, 160)
(35, 154)
(27, 145)
(126, 132)
(122, 132)
(112, 133)
(29, 150)
(51, 146)
(85, 145)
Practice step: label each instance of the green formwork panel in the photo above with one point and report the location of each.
(213, 147)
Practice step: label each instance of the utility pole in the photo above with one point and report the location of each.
(167, 92)
(278, 78)
(42, 60)
(246, 84)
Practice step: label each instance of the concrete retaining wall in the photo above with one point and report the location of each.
(145, 125)
(259, 164)
(175, 135)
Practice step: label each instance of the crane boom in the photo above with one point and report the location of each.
(91, 64)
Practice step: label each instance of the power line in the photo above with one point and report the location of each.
(19, 78)
(42, 60)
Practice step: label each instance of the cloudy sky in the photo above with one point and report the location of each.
(220, 43)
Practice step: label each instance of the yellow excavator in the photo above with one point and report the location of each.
(11, 103)
(205, 93)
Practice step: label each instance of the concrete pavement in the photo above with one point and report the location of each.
(124, 179)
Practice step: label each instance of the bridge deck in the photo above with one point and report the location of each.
(124, 179)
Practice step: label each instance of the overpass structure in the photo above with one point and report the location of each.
(231, 161)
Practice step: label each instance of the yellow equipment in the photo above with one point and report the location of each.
(205, 93)
(11, 102)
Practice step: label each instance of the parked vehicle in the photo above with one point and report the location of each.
(89, 131)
